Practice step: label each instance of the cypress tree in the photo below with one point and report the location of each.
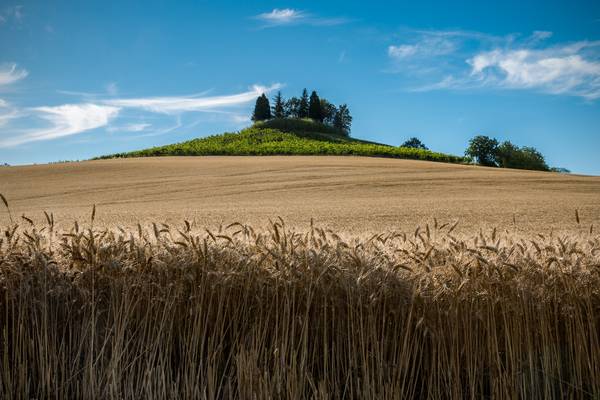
(262, 109)
(303, 109)
(314, 108)
(278, 110)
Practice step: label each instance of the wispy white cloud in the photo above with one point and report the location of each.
(282, 16)
(9, 73)
(540, 35)
(7, 112)
(467, 60)
(558, 70)
(430, 46)
(96, 112)
(65, 120)
(12, 13)
(112, 89)
(5, 117)
(134, 127)
(177, 105)
(290, 16)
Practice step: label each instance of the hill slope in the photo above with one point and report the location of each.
(287, 137)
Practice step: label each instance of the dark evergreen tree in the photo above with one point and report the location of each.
(314, 107)
(262, 109)
(343, 120)
(328, 111)
(278, 109)
(303, 107)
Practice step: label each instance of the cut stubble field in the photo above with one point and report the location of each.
(354, 195)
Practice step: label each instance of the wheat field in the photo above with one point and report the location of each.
(297, 277)
(168, 312)
(349, 194)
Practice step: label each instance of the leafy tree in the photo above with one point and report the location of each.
(509, 155)
(278, 109)
(292, 108)
(414, 143)
(343, 120)
(506, 154)
(262, 109)
(314, 107)
(484, 150)
(531, 158)
(303, 106)
(328, 111)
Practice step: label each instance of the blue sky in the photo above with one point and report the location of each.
(81, 79)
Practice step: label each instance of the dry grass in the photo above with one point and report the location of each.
(349, 194)
(177, 312)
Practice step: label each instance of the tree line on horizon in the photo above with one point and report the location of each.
(489, 152)
(314, 107)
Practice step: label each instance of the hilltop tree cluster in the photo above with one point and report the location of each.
(313, 107)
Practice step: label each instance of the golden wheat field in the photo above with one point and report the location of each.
(297, 278)
(350, 194)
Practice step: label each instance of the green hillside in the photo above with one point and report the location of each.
(287, 137)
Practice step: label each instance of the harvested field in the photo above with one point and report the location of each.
(349, 194)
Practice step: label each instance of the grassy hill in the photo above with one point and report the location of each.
(286, 137)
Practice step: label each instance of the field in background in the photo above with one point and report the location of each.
(349, 194)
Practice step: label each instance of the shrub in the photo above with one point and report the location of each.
(414, 143)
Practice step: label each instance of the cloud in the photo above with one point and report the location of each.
(13, 13)
(135, 127)
(281, 16)
(290, 16)
(10, 74)
(177, 105)
(428, 47)
(71, 119)
(7, 112)
(112, 89)
(7, 115)
(541, 35)
(556, 70)
(65, 120)
(467, 60)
